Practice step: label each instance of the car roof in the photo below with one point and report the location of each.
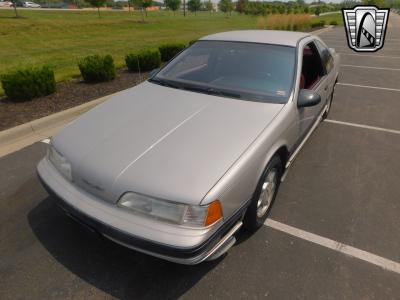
(276, 37)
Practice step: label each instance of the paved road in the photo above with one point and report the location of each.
(343, 187)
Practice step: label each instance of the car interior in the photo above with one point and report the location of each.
(241, 68)
(312, 69)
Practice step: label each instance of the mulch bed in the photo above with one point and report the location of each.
(68, 94)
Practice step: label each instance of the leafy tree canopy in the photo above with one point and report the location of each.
(143, 3)
(173, 4)
(209, 6)
(225, 6)
(194, 5)
(96, 3)
(241, 6)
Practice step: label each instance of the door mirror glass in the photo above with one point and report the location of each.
(308, 98)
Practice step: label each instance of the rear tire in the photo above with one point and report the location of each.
(264, 195)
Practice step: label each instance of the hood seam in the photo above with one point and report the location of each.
(157, 142)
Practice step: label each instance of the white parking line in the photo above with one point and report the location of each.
(369, 55)
(382, 262)
(366, 67)
(368, 86)
(363, 126)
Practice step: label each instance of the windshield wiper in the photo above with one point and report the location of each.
(164, 83)
(213, 91)
(205, 90)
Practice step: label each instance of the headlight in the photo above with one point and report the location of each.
(59, 162)
(177, 213)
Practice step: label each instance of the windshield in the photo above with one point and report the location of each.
(247, 71)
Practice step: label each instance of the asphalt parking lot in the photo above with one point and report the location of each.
(334, 232)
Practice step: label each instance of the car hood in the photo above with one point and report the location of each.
(159, 141)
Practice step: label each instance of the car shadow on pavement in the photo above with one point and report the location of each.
(116, 270)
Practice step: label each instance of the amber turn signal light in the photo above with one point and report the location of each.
(214, 213)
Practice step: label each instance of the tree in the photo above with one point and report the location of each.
(130, 4)
(208, 6)
(97, 3)
(194, 5)
(143, 5)
(173, 4)
(226, 6)
(14, 2)
(241, 6)
(146, 4)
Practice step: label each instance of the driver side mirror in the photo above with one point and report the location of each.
(308, 98)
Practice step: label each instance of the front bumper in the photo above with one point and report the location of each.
(102, 217)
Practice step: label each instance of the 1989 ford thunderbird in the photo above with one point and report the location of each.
(176, 165)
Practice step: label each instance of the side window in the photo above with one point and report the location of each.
(326, 56)
(312, 68)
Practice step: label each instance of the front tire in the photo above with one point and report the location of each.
(264, 195)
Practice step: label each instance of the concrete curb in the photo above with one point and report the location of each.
(322, 30)
(26, 134)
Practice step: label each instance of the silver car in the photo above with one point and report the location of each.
(176, 165)
(30, 4)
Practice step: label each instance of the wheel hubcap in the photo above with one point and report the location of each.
(267, 193)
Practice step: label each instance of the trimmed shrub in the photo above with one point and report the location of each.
(192, 42)
(168, 51)
(22, 85)
(320, 23)
(333, 22)
(96, 68)
(143, 61)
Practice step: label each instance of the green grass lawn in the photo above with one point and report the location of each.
(337, 16)
(60, 39)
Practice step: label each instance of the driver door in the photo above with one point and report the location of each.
(313, 77)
